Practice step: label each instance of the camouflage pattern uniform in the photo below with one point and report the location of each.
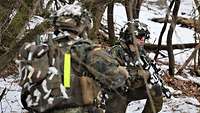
(125, 57)
(41, 66)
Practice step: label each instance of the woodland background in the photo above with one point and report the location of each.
(23, 20)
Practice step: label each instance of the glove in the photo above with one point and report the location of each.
(143, 73)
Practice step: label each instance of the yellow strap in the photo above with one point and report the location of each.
(97, 48)
(67, 70)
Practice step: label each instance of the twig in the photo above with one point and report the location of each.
(189, 59)
(192, 104)
(2, 94)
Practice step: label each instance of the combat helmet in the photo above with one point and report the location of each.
(141, 30)
(72, 20)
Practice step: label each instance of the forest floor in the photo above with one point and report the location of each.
(185, 92)
(187, 87)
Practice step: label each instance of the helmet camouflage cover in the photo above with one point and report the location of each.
(140, 30)
(72, 18)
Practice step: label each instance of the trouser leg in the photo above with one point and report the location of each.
(157, 98)
(116, 104)
(141, 93)
(68, 110)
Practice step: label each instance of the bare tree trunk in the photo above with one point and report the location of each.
(135, 8)
(169, 37)
(163, 30)
(97, 8)
(197, 3)
(128, 14)
(111, 30)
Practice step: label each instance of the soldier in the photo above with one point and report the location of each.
(57, 75)
(125, 53)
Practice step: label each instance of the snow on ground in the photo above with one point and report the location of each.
(11, 100)
(177, 104)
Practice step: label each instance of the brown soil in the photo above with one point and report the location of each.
(10, 69)
(187, 87)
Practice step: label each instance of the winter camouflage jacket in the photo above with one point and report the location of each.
(42, 70)
(130, 61)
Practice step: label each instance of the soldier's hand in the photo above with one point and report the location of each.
(144, 74)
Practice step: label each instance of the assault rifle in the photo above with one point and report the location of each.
(154, 75)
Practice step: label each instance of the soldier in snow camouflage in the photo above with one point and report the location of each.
(41, 66)
(124, 52)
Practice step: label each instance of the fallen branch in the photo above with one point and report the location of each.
(153, 47)
(188, 60)
(192, 104)
(184, 22)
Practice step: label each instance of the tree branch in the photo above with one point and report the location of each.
(8, 56)
(188, 60)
